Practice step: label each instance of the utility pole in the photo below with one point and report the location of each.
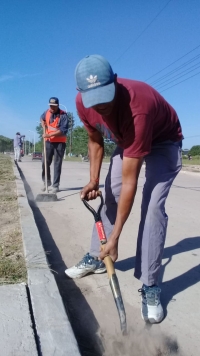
(70, 136)
(33, 137)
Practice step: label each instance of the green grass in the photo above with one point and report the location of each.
(12, 271)
(12, 261)
(78, 159)
(194, 161)
(6, 171)
(73, 159)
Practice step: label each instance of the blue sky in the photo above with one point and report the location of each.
(42, 41)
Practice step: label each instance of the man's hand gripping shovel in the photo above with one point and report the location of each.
(113, 280)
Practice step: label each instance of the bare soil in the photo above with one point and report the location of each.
(12, 261)
(191, 168)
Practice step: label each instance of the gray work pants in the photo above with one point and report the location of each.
(56, 150)
(162, 166)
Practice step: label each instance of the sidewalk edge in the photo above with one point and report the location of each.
(53, 329)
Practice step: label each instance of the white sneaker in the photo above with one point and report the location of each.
(43, 188)
(88, 264)
(55, 189)
(151, 309)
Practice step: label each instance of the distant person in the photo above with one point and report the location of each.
(145, 128)
(55, 122)
(18, 144)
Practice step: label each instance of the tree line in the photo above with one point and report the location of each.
(77, 142)
(6, 144)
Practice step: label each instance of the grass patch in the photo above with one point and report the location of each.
(195, 161)
(12, 261)
(73, 159)
(12, 272)
(79, 159)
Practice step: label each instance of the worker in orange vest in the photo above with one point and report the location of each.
(55, 122)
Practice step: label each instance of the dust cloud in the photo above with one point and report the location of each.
(145, 342)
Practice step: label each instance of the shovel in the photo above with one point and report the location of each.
(45, 197)
(113, 280)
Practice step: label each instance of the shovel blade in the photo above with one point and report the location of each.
(114, 284)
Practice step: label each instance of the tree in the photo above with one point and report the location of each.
(109, 147)
(28, 147)
(195, 150)
(70, 129)
(39, 144)
(79, 141)
(6, 144)
(39, 130)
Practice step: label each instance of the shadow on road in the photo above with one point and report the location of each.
(188, 244)
(69, 189)
(177, 284)
(82, 319)
(77, 188)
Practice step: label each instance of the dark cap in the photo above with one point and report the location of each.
(53, 101)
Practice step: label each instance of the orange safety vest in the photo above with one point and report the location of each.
(51, 127)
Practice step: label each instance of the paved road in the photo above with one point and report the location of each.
(65, 229)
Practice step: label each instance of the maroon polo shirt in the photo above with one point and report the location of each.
(140, 118)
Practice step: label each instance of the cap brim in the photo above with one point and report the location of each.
(53, 104)
(99, 95)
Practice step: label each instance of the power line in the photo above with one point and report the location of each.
(172, 63)
(142, 31)
(175, 70)
(168, 81)
(180, 82)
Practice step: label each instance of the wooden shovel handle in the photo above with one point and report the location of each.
(45, 160)
(109, 263)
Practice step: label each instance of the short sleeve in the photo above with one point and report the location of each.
(43, 116)
(63, 125)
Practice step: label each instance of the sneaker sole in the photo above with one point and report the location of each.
(83, 274)
(154, 321)
(100, 270)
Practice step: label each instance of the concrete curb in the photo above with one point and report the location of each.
(16, 328)
(53, 331)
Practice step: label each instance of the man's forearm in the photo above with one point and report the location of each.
(96, 151)
(56, 133)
